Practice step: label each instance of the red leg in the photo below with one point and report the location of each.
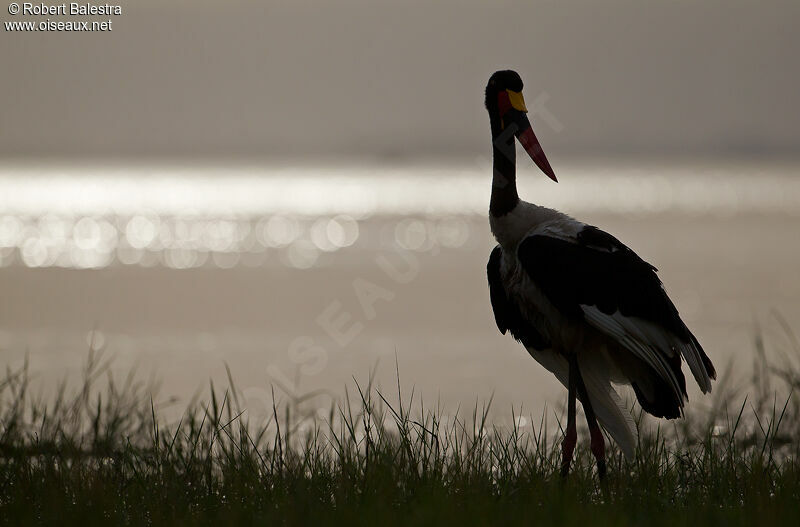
(598, 448)
(598, 444)
(568, 448)
(571, 436)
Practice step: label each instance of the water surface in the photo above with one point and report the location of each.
(304, 276)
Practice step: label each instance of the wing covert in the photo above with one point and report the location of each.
(598, 270)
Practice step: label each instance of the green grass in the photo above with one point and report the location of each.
(102, 455)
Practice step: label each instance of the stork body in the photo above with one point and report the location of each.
(583, 304)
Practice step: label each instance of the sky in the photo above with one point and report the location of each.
(404, 79)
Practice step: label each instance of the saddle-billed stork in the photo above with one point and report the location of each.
(584, 305)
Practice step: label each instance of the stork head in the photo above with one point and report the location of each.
(506, 107)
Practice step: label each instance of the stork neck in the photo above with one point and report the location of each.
(504, 165)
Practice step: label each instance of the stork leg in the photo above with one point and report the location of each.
(571, 436)
(598, 445)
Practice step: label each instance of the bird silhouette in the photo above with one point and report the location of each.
(583, 304)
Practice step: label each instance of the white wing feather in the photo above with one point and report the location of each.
(650, 343)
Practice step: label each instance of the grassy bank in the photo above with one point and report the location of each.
(102, 454)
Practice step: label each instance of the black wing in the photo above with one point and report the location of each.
(600, 271)
(506, 313)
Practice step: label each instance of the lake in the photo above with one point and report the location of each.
(305, 275)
